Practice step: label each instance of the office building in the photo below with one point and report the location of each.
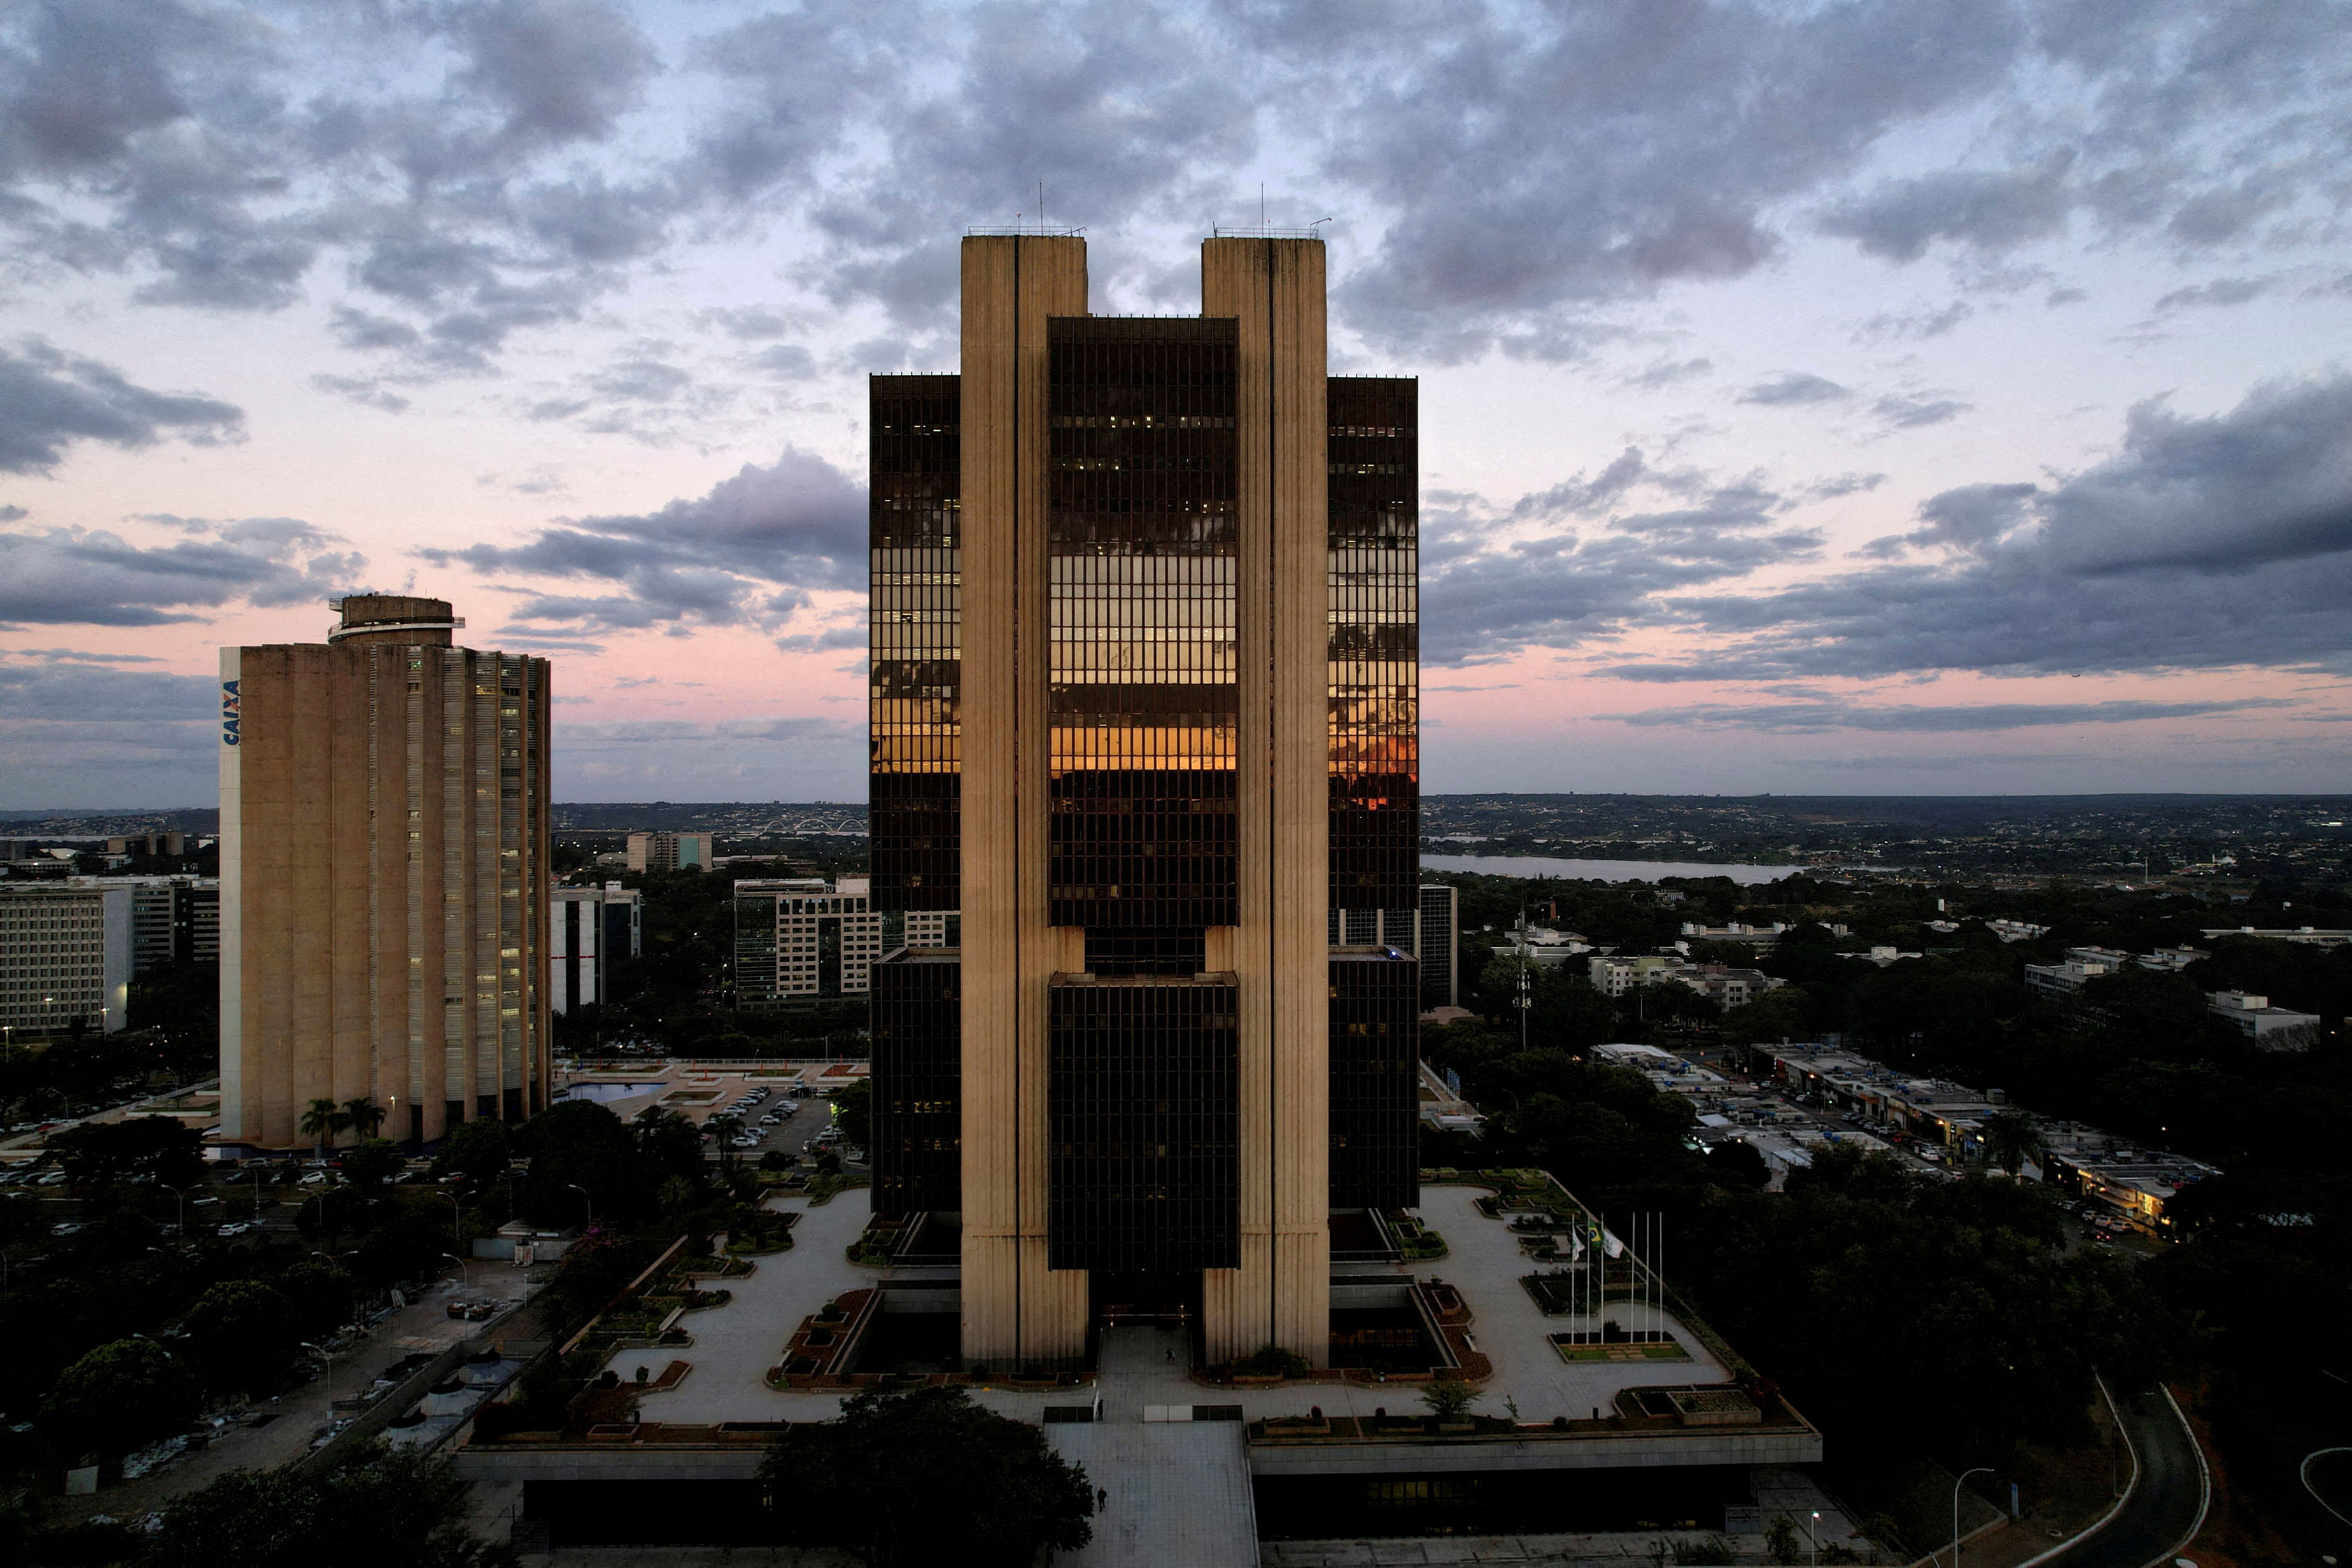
(1441, 931)
(587, 929)
(149, 844)
(383, 870)
(2275, 1029)
(2082, 965)
(65, 957)
(803, 939)
(669, 851)
(174, 920)
(1145, 701)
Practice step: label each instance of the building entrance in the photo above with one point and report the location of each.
(1170, 1297)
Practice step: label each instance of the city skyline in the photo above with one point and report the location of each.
(1838, 404)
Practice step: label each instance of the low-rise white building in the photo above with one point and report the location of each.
(2307, 935)
(2254, 1017)
(2082, 965)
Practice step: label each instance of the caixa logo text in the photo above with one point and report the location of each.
(228, 713)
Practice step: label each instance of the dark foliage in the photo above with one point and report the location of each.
(992, 1493)
(380, 1507)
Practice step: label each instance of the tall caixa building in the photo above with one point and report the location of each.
(1145, 710)
(384, 884)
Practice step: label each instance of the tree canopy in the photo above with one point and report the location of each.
(120, 1397)
(929, 1477)
(380, 1507)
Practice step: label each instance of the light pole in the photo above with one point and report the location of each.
(456, 1213)
(588, 1202)
(1812, 1541)
(182, 1196)
(1980, 1471)
(465, 1281)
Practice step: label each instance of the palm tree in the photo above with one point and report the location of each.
(364, 1114)
(323, 1122)
(2010, 1138)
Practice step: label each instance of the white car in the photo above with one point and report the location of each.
(234, 1227)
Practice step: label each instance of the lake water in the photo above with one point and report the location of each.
(1603, 871)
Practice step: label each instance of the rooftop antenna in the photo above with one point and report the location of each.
(1040, 204)
(1261, 204)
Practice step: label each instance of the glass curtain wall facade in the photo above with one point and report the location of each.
(916, 641)
(1375, 607)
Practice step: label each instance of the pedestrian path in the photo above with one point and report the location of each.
(1174, 1494)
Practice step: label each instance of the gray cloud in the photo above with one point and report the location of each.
(2203, 543)
(1668, 373)
(1967, 517)
(1913, 325)
(69, 576)
(1812, 717)
(368, 390)
(1994, 211)
(49, 400)
(1486, 594)
(2220, 291)
(480, 168)
(1796, 387)
(750, 550)
(1904, 411)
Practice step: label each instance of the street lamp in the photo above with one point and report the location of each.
(1980, 1471)
(588, 1202)
(1812, 1544)
(456, 1213)
(182, 1196)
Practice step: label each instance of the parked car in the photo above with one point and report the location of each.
(234, 1227)
(66, 1228)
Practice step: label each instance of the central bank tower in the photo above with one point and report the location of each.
(1145, 709)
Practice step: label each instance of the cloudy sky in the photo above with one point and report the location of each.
(1938, 396)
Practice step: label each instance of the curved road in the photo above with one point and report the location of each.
(2167, 1500)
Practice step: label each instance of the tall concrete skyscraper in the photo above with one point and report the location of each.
(384, 876)
(1145, 709)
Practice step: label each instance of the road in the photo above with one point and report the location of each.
(2167, 1500)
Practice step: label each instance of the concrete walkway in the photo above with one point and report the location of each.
(1178, 1492)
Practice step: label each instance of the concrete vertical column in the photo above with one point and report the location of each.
(1281, 1292)
(240, 1113)
(1017, 1311)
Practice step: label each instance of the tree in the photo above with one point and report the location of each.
(320, 1294)
(122, 1396)
(580, 1142)
(1735, 1162)
(243, 1334)
(364, 1116)
(670, 1144)
(478, 1151)
(412, 1507)
(322, 1123)
(1448, 1397)
(2011, 1139)
(371, 1162)
(100, 1153)
(853, 1114)
(994, 1494)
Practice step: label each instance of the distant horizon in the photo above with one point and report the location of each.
(13, 813)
